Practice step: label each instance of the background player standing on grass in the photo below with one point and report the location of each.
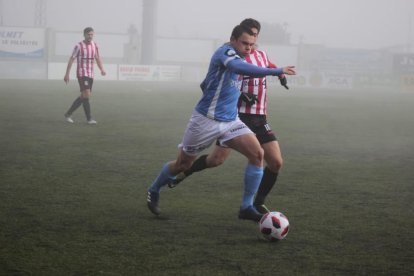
(252, 111)
(215, 118)
(85, 52)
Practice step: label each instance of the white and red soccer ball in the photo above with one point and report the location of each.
(274, 226)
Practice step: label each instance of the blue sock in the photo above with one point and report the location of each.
(252, 177)
(163, 178)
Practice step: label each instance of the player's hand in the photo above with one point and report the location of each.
(66, 79)
(103, 73)
(249, 99)
(289, 70)
(283, 81)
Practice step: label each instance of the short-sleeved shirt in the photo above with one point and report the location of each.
(221, 87)
(85, 53)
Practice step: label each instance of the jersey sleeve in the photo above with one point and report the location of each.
(243, 68)
(229, 55)
(75, 51)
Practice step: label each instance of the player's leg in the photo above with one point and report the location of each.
(86, 95)
(213, 159)
(217, 156)
(274, 162)
(170, 169)
(249, 146)
(83, 99)
(167, 174)
(75, 105)
(86, 105)
(272, 155)
(199, 135)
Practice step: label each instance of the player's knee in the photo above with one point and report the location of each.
(275, 165)
(86, 94)
(257, 156)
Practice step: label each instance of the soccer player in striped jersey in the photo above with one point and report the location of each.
(215, 117)
(85, 53)
(252, 111)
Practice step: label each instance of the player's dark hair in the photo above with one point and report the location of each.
(251, 23)
(239, 30)
(87, 30)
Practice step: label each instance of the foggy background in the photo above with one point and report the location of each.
(341, 38)
(369, 24)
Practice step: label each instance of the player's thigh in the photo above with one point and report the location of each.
(85, 86)
(249, 146)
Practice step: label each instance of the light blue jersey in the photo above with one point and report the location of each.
(221, 87)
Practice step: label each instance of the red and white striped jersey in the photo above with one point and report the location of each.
(85, 53)
(256, 86)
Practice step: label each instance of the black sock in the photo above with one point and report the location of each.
(268, 181)
(87, 109)
(76, 103)
(198, 165)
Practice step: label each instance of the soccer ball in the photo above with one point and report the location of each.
(274, 226)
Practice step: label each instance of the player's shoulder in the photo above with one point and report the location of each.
(81, 44)
(227, 49)
(225, 52)
(77, 46)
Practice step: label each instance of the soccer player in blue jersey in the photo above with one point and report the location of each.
(253, 112)
(215, 118)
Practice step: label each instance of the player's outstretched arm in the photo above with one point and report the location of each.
(246, 69)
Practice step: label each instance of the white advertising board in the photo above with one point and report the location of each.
(149, 72)
(17, 42)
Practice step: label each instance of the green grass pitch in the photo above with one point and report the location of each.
(72, 197)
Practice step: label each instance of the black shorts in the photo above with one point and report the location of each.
(258, 124)
(85, 83)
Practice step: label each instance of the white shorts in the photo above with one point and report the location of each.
(201, 132)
